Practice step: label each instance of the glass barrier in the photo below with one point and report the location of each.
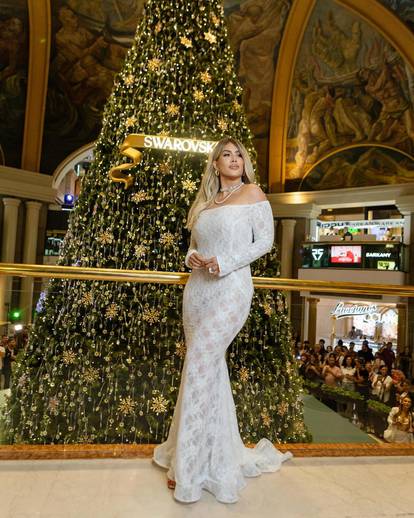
(95, 355)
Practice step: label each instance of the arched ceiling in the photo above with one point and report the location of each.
(58, 59)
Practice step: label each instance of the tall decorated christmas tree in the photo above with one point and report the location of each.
(104, 359)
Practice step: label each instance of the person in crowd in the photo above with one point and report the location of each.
(346, 235)
(381, 385)
(8, 359)
(377, 363)
(388, 355)
(353, 333)
(319, 352)
(400, 422)
(3, 345)
(366, 352)
(302, 364)
(362, 382)
(329, 349)
(403, 361)
(313, 368)
(348, 372)
(331, 372)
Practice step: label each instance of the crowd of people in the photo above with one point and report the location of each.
(373, 375)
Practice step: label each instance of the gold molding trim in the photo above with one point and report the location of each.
(145, 451)
(340, 149)
(146, 276)
(40, 28)
(382, 19)
(296, 25)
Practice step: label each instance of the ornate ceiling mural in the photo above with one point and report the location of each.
(13, 78)
(404, 9)
(350, 86)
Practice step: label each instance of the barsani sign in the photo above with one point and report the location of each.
(133, 142)
(343, 310)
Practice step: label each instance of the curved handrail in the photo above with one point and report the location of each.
(146, 276)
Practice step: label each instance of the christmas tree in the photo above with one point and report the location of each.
(104, 359)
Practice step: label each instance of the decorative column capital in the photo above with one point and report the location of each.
(288, 223)
(11, 202)
(33, 205)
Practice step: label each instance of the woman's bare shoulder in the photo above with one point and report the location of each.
(253, 193)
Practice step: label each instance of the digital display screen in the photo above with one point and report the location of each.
(386, 265)
(344, 254)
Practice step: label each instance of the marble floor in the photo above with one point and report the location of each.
(363, 487)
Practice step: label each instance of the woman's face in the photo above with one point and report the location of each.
(406, 403)
(331, 361)
(348, 361)
(230, 163)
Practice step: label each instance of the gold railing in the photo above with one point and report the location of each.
(144, 276)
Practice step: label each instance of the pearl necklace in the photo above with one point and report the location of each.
(230, 190)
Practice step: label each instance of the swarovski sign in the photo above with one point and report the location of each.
(317, 253)
(343, 310)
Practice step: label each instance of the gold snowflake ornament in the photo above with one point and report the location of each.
(106, 237)
(126, 405)
(180, 349)
(167, 239)
(129, 80)
(237, 106)
(282, 408)
(87, 299)
(198, 95)
(189, 185)
(244, 374)
(131, 121)
(205, 77)
(215, 19)
(154, 64)
(91, 375)
(209, 36)
(159, 404)
(164, 168)
(267, 309)
(111, 310)
(151, 315)
(68, 357)
(173, 109)
(222, 124)
(265, 417)
(140, 250)
(186, 42)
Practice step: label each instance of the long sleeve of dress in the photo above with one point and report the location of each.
(191, 250)
(262, 224)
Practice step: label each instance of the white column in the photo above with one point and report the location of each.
(8, 249)
(29, 257)
(286, 249)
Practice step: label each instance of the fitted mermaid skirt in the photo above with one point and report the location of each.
(204, 449)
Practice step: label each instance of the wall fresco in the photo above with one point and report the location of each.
(350, 86)
(13, 79)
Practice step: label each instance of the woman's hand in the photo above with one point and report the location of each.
(212, 265)
(196, 260)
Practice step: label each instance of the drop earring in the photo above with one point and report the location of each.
(216, 172)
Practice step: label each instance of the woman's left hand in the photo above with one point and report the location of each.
(212, 265)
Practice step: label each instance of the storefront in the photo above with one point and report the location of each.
(356, 320)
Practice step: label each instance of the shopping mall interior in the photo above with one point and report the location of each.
(117, 118)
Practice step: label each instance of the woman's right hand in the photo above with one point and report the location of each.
(196, 260)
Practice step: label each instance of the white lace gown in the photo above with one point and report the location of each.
(204, 449)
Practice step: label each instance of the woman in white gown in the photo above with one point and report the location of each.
(232, 225)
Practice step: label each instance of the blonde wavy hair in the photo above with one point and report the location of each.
(210, 183)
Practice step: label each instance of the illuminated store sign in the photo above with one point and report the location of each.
(343, 310)
(363, 223)
(378, 255)
(317, 253)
